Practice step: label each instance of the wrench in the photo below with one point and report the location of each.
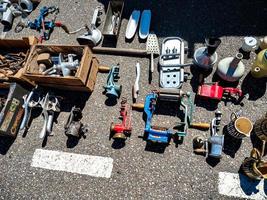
(50, 105)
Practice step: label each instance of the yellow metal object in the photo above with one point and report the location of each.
(259, 68)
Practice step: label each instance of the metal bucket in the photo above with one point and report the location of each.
(239, 127)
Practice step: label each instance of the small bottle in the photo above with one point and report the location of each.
(259, 68)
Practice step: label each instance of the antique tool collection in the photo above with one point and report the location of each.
(68, 65)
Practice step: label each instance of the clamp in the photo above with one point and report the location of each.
(50, 105)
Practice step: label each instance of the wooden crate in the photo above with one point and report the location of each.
(13, 46)
(84, 78)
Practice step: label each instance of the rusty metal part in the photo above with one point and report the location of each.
(124, 129)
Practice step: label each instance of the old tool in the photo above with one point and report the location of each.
(122, 130)
(50, 105)
(26, 5)
(93, 35)
(111, 89)
(216, 141)
(162, 134)
(29, 103)
(152, 47)
(73, 126)
(231, 68)
(46, 27)
(216, 92)
(120, 51)
(171, 63)
(135, 89)
(206, 57)
(64, 67)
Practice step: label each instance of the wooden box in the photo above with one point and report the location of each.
(84, 78)
(15, 46)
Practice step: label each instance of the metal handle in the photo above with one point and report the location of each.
(233, 116)
(50, 123)
(43, 131)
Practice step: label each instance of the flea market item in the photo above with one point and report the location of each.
(93, 35)
(122, 130)
(145, 24)
(161, 134)
(111, 89)
(263, 43)
(49, 105)
(254, 167)
(40, 24)
(216, 141)
(249, 44)
(231, 68)
(113, 19)
(120, 51)
(172, 63)
(152, 47)
(260, 128)
(259, 67)
(206, 57)
(132, 24)
(135, 89)
(62, 66)
(10, 10)
(12, 113)
(239, 127)
(216, 92)
(74, 127)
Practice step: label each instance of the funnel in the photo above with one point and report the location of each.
(206, 57)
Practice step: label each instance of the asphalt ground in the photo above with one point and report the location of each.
(138, 172)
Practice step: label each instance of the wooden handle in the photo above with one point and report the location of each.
(138, 106)
(120, 51)
(103, 68)
(200, 125)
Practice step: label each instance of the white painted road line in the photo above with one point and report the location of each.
(238, 185)
(70, 162)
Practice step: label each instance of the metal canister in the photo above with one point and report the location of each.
(260, 128)
(239, 127)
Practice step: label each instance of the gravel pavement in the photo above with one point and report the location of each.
(176, 173)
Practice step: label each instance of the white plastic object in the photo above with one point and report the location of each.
(249, 44)
(152, 47)
(136, 83)
(145, 24)
(132, 24)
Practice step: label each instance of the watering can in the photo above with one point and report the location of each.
(259, 68)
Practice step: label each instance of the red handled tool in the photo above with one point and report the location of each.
(124, 129)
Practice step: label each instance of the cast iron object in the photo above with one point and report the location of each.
(93, 35)
(206, 57)
(162, 134)
(122, 130)
(111, 89)
(73, 126)
(216, 141)
(216, 92)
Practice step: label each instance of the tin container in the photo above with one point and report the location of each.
(239, 127)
